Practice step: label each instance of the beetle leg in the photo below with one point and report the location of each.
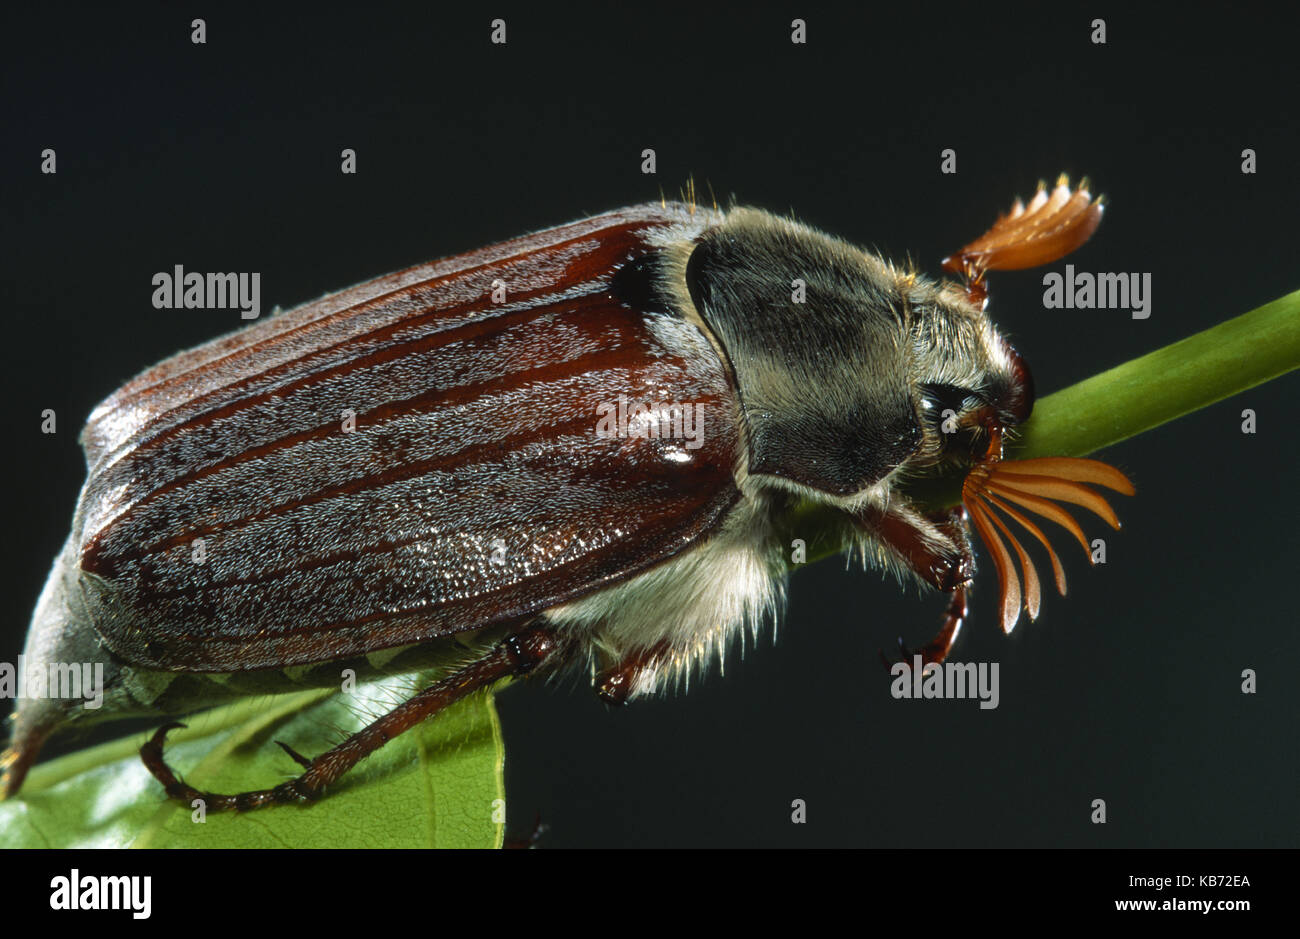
(936, 548)
(516, 655)
(297, 757)
(937, 649)
(615, 685)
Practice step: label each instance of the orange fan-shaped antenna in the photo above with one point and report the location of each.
(1035, 486)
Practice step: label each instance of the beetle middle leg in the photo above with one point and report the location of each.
(515, 655)
(937, 549)
(617, 684)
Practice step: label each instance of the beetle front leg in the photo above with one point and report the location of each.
(516, 655)
(936, 548)
(937, 649)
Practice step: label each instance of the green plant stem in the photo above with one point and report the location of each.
(1122, 402)
(1166, 384)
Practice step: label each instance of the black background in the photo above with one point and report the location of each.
(225, 157)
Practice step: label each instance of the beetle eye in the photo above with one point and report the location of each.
(942, 404)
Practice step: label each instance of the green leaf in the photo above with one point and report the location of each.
(435, 786)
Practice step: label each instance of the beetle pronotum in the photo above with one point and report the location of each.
(482, 499)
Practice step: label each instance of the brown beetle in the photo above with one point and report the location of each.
(444, 462)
